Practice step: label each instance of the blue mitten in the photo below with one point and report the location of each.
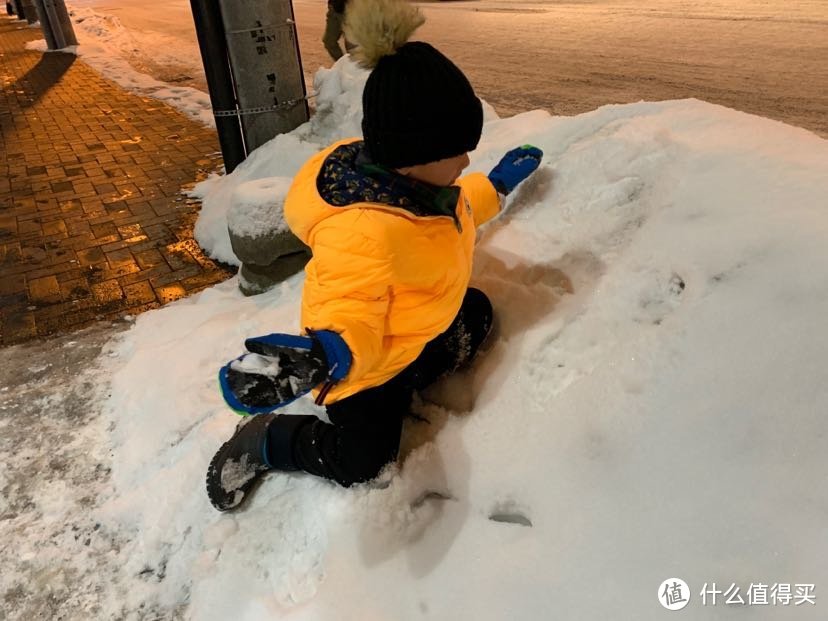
(515, 166)
(280, 368)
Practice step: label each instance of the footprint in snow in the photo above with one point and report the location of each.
(509, 513)
(661, 299)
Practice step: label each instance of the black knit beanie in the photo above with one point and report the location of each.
(418, 107)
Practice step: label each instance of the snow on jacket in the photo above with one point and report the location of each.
(392, 257)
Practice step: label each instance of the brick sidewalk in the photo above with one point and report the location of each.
(93, 224)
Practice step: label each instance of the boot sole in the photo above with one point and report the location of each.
(215, 491)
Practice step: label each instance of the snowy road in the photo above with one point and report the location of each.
(766, 58)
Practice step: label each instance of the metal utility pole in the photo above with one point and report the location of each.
(267, 70)
(56, 25)
(213, 46)
(251, 60)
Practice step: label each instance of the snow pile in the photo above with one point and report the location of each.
(108, 47)
(652, 405)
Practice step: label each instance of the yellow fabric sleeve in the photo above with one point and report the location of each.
(482, 196)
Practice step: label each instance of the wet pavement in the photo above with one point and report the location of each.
(94, 222)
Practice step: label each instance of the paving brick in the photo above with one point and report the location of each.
(13, 284)
(30, 226)
(76, 227)
(10, 254)
(73, 274)
(117, 245)
(128, 231)
(18, 327)
(145, 274)
(81, 241)
(107, 239)
(170, 293)
(52, 269)
(70, 319)
(176, 276)
(90, 256)
(117, 258)
(104, 229)
(62, 186)
(103, 272)
(60, 309)
(105, 189)
(33, 255)
(56, 227)
(44, 290)
(178, 259)
(149, 258)
(107, 291)
(139, 293)
(203, 280)
(75, 289)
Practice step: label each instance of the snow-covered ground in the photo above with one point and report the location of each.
(652, 407)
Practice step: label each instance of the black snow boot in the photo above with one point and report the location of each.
(239, 463)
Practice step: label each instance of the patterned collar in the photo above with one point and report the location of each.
(349, 176)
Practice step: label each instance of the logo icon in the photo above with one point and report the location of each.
(674, 594)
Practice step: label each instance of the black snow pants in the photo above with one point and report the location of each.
(364, 432)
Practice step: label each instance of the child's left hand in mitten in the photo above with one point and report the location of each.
(280, 368)
(514, 167)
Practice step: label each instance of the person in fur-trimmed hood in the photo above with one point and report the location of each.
(333, 29)
(386, 305)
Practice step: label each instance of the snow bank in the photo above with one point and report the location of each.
(653, 404)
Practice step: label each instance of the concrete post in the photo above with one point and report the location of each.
(267, 71)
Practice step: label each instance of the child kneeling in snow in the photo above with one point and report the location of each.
(386, 304)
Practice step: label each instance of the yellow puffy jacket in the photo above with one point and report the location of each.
(386, 279)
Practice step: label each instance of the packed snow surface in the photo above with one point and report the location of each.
(652, 404)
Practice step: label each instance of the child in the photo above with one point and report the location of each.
(386, 305)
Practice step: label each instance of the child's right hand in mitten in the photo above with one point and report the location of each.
(279, 368)
(515, 166)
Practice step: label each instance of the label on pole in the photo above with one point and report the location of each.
(264, 60)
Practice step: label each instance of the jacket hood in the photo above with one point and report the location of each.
(344, 176)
